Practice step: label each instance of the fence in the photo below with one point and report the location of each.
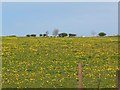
(118, 79)
(80, 78)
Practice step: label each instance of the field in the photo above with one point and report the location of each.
(53, 62)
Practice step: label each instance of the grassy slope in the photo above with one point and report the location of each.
(53, 62)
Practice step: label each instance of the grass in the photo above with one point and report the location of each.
(53, 62)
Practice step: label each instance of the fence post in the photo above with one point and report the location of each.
(118, 79)
(80, 75)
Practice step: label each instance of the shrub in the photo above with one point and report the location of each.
(33, 35)
(62, 34)
(40, 35)
(27, 35)
(72, 35)
(12, 36)
(102, 34)
(44, 35)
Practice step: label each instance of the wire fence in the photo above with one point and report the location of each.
(99, 81)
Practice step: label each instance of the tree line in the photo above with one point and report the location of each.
(54, 34)
(57, 34)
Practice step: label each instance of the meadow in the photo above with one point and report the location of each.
(34, 62)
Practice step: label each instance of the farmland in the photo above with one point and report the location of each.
(35, 62)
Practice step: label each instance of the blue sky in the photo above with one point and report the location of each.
(81, 18)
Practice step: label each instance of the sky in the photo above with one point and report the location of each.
(60, 0)
(81, 18)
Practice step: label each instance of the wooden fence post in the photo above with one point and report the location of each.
(118, 79)
(80, 75)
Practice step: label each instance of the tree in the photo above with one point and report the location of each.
(62, 34)
(44, 35)
(93, 33)
(28, 35)
(102, 34)
(72, 35)
(47, 33)
(33, 35)
(40, 35)
(55, 32)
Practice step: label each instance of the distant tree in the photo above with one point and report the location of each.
(62, 34)
(47, 33)
(72, 35)
(12, 36)
(102, 34)
(28, 35)
(93, 33)
(55, 32)
(44, 35)
(40, 35)
(33, 35)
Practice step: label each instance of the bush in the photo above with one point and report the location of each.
(72, 35)
(12, 36)
(27, 35)
(40, 35)
(33, 35)
(44, 35)
(62, 34)
(102, 34)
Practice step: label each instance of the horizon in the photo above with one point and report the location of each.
(81, 18)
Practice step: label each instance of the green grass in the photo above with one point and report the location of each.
(53, 62)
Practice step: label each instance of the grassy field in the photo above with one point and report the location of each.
(53, 62)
